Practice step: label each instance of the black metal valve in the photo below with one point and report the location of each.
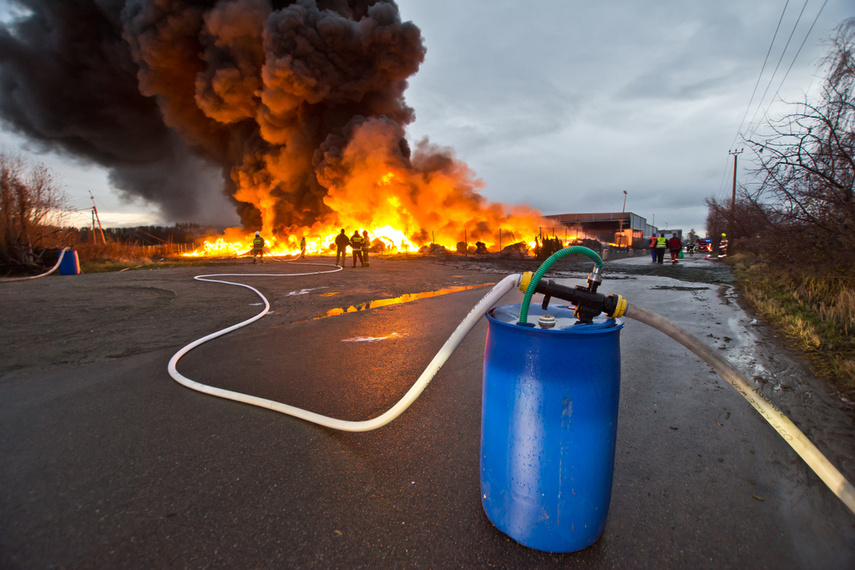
(587, 301)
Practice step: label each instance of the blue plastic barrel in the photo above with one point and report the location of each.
(548, 427)
(70, 264)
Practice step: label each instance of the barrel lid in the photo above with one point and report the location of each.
(565, 320)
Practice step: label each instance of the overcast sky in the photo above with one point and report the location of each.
(564, 104)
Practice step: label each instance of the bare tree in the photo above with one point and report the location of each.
(31, 206)
(747, 221)
(807, 165)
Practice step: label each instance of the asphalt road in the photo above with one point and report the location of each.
(106, 462)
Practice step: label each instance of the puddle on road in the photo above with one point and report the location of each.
(406, 298)
(304, 291)
(372, 338)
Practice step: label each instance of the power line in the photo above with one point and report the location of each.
(780, 59)
(762, 69)
(752, 125)
(795, 57)
(751, 100)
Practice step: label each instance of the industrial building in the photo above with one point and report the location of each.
(621, 229)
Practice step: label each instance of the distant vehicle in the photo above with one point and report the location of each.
(702, 245)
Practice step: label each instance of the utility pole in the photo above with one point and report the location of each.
(97, 217)
(730, 224)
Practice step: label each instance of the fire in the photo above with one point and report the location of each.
(385, 238)
(236, 242)
(404, 202)
(300, 105)
(314, 127)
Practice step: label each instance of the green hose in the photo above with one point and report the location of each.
(529, 292)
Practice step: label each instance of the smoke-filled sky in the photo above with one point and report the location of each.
(562, 105)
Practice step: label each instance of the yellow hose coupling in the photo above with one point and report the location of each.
(526, 279)
(620, 306)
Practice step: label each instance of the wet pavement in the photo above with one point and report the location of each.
(105, 461)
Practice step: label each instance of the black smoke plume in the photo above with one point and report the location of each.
(158, 90)
(299, 105)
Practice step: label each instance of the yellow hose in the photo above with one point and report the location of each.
(782, 424)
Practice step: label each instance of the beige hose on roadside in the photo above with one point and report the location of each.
(786, 428)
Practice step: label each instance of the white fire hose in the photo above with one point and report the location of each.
(48, 272)
(826, 471)
(486, 303)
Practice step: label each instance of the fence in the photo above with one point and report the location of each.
(165, 249)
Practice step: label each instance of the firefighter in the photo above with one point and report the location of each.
(258, 248)
(366, 243)
(341, 243)
(722, 246)
(356, 243)
(302, 247)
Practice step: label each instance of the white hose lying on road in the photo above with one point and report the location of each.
(786, 428)
(48, 272)
(782, 424)
(493, 296)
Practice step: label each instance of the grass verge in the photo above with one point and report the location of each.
(816, 313)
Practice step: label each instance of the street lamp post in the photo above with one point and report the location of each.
(620, 235)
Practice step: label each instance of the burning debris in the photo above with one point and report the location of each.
(299, 105)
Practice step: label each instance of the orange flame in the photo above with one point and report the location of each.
(404, 204)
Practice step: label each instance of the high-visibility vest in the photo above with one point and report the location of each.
(661, 243)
